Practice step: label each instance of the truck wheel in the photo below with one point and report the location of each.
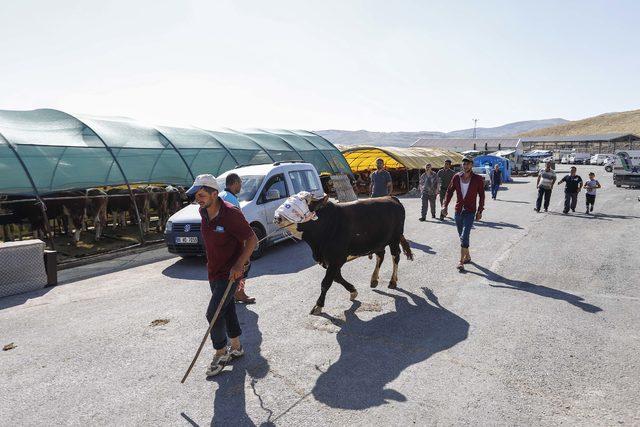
(608, 168)
(618, 185)
(259, 251)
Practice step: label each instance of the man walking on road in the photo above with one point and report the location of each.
(496, 180)
(592, 185)
(229, 242)
(381, 183)
(445, 176)
(468, 187)
(546, 179)
(571, 190)
(429, 191)
(233, 186)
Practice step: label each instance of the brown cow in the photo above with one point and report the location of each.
(120, 203)
(97, 201)
(159, 200)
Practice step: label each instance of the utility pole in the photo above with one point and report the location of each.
(475, 122)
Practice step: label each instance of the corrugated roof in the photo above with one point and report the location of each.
(460, 144)
(582, 138)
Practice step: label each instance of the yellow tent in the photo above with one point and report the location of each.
(362, 158)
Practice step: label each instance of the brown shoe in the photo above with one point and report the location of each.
(240, 296)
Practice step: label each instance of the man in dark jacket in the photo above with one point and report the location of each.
(496, 180)
(573, 186)
(468, 187)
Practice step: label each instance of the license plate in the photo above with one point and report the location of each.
(186, 240)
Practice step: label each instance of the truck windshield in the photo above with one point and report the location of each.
(250, 184)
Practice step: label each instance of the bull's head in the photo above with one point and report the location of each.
(298, 209)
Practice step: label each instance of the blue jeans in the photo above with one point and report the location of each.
(464, 222)
(494, 190)
(227, 323)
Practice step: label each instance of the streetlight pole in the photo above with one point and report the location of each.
(475, 122)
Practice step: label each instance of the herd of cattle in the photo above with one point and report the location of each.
(76, 210)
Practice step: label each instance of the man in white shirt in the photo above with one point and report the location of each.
(546, 179)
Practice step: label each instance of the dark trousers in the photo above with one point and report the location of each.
(591, 200)
(464, 223)
(494, 190)
(428, 200)
(570, 201)
(546, 194)
(443, 195)
(227, 324)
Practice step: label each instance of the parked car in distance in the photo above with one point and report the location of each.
(579, 158)
(484, 173)
(565, 159)
(599, 159)
(264, 188)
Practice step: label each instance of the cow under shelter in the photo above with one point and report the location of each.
(405, 164)
(62, 173)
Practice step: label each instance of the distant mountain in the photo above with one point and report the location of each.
(625, 121)
(405, 139)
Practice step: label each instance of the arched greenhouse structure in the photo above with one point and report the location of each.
(45, 151)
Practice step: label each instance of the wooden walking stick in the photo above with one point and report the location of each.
(206, 335)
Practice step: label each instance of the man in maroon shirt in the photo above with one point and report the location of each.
(468, 186)
(229, 242)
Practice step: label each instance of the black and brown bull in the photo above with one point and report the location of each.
(348, 230)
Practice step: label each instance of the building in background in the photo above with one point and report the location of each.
(592, 144)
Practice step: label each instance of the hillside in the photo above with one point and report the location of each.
(405, 139)
(626, 121)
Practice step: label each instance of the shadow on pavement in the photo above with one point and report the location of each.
(19, 299)
(495, 225)
(420, 247)
(486, 224)
(284, 258)
(513, 201)
(594, 215)
(229, 404)
(540, 290)
(374, 352)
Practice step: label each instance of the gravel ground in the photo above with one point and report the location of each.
(542, 329)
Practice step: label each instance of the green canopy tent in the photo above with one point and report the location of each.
(59, 151)
(46, 151)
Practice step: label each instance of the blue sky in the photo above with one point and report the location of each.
(376, 65)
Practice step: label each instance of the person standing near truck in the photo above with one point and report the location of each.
(592, 185)
(233, 186)
(428, 191)
(571, 190)
(445, 175)
(381, 183)
(546, 179)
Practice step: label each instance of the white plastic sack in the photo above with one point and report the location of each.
(296, 209)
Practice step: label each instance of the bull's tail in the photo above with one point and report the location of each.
(406, 249)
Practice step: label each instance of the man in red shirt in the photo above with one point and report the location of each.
(229, 242)
(468, 186)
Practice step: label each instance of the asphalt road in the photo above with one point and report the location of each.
(542, 329)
